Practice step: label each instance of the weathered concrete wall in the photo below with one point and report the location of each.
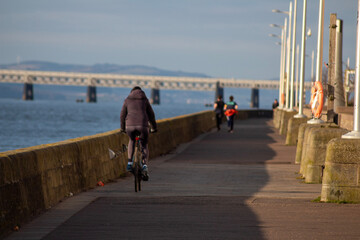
(36, 178)
(307, 112)
(304, 145)
(293, 130)
(346, 120)
(281, 113)
(276, 117)
(300, 142)
(341, 181)
(314, 160)
(284, 121)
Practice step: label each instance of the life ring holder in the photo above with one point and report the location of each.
(317, 99)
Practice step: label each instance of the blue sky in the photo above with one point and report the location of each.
(220, 38)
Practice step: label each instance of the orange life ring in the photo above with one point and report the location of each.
(317, 99)
(230, 112)
(282, 99)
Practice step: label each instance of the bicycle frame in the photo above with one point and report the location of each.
(137, 164)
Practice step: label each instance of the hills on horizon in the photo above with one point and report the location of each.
(34, 65)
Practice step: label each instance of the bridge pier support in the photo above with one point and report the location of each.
(91, 94)
(155, 96)
(254, 98)
(28, 93)
(219, 91)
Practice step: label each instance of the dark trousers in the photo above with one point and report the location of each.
(219, 117)
(132, 132)
(230, 121)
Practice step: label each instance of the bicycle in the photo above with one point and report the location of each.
(137, 165)
(137, 162)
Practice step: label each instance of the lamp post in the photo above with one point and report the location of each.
(288, 50)
(355, 134)
(288, 60)
(302, 67)
(291, 106)
(319, 52)
(297, 75)
(312, 66)
(282, 58)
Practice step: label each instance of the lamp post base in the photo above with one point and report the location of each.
(300, 116)
(315, 121)
(352, 135)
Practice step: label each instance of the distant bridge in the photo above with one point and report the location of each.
(93, 80)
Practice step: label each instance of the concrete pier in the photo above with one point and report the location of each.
(219, 91)
(155, 96)
(254, 103)
(28, 93)
(91, 94)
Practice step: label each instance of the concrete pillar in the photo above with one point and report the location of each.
(155, 96)
(339, 86)
(28, 93)
(219, 91)
(91, 94)
(254, 98)
(331, 69)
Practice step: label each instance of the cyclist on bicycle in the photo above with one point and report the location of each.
(136, 113)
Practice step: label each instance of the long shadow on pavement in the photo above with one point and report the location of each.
(201, 193)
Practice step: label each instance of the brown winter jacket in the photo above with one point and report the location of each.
(137, 111)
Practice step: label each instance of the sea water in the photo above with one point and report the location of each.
(30, 123)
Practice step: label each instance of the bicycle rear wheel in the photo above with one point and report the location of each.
(137, 168)
(137, 177)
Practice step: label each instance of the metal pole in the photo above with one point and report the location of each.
(283, 63)
(319, 52)
(320, 42)
(288, 60)
(302, 67)
(312, 65)
(355, 134)
(291, 107)
(297, 75)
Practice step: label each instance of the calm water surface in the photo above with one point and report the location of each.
(30, 123)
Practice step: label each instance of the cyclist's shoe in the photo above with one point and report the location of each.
(145, 173)
(129, 167)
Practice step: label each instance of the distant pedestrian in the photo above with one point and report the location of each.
(275, 104)
(219, 111)
(230, 111)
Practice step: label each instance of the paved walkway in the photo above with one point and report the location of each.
(220, 186)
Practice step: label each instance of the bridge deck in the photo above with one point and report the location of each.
(220, 186)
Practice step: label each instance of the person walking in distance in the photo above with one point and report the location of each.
(136, 113)
(219, 111)
(275, 104)
(230, 111)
